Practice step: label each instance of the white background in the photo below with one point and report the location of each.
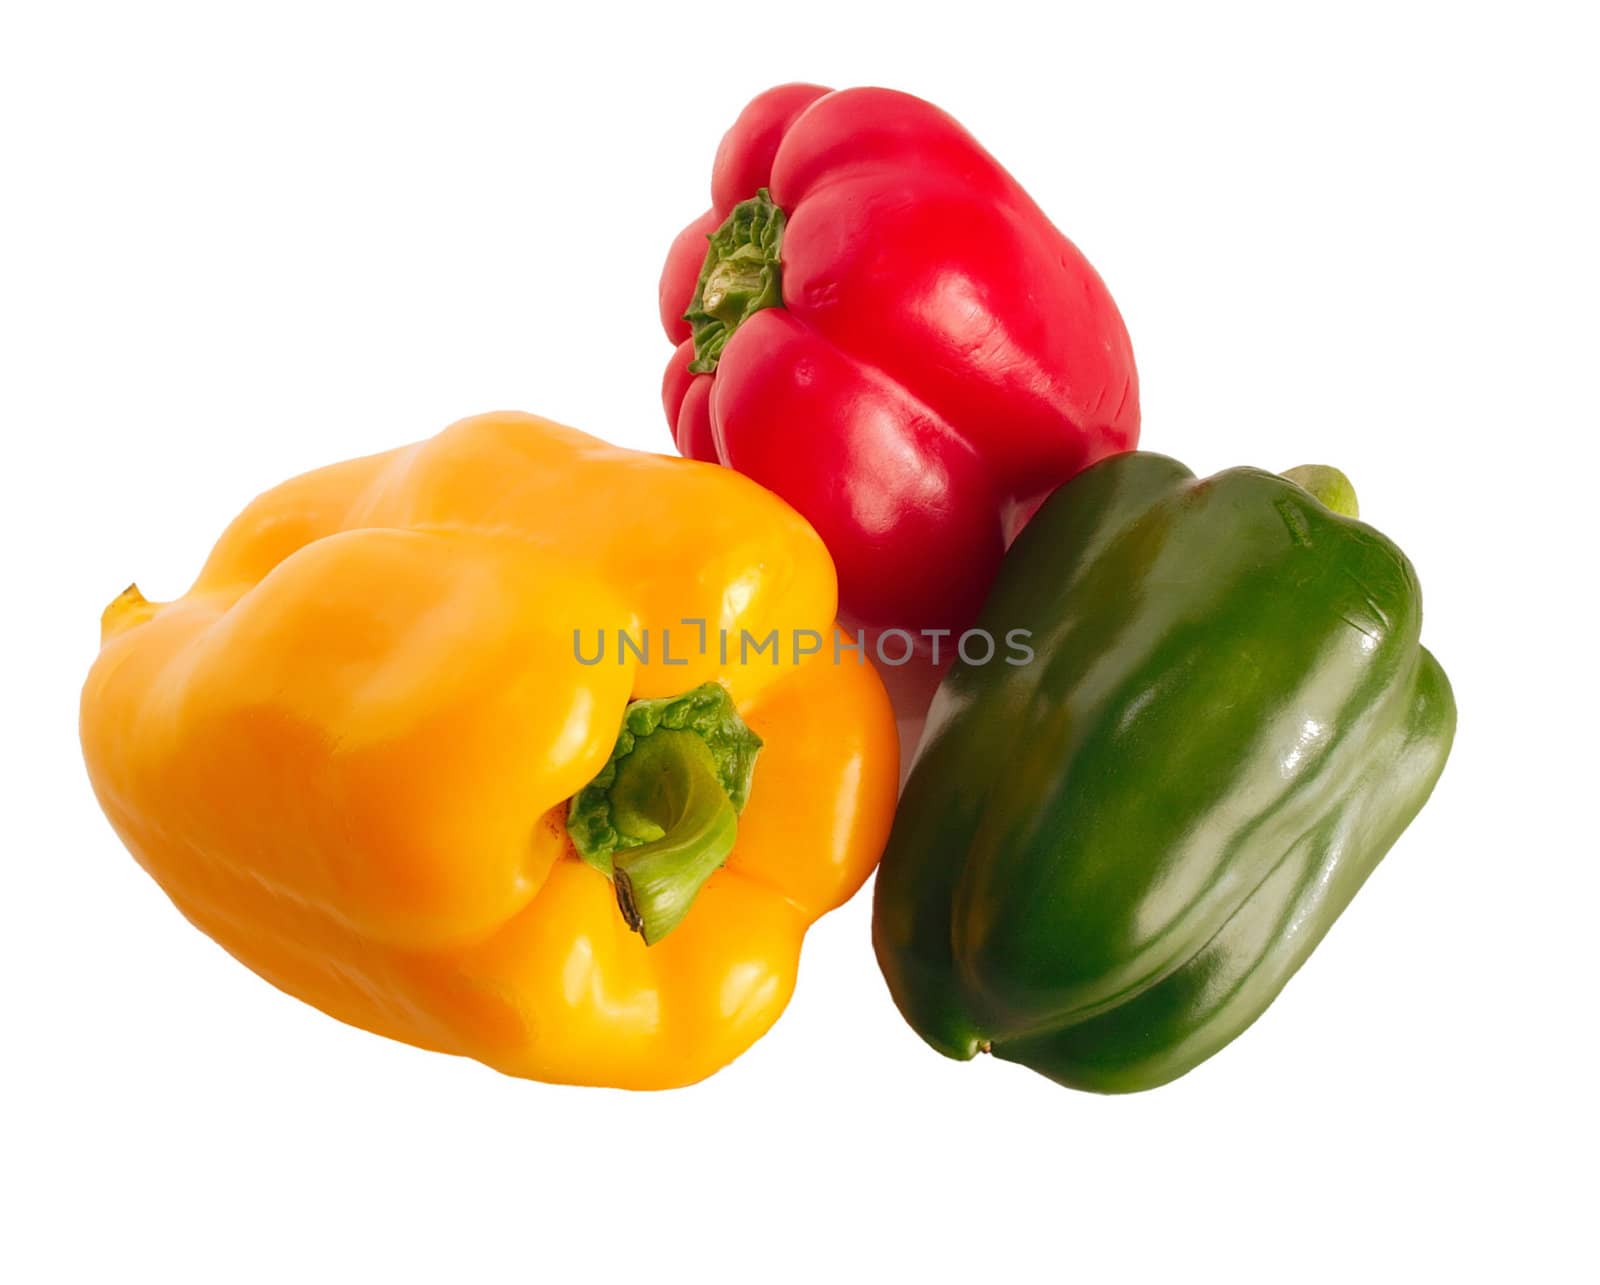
(237, 244)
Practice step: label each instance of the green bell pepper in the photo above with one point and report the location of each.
(1109, 860)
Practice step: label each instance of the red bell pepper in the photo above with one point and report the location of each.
(888, 333)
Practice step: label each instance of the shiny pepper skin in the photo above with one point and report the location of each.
(1109, 861)
(889, 333)
(346, 752)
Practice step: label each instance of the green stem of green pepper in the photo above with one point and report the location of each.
(1328, 485)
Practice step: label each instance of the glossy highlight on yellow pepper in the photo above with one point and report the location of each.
(346, 753)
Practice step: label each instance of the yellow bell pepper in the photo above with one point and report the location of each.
(347, 753)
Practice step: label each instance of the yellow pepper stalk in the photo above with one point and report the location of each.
(347, 753)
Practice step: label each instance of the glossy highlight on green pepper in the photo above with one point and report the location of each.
(1108, 863)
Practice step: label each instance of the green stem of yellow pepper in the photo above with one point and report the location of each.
(667, 793)
(663, 813)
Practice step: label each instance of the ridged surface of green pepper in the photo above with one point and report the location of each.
(1108, 861)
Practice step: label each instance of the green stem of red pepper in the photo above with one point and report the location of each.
(741, 276)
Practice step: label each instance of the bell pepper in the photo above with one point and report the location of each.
(874, 320)
(1108, 861)
(397, 750)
